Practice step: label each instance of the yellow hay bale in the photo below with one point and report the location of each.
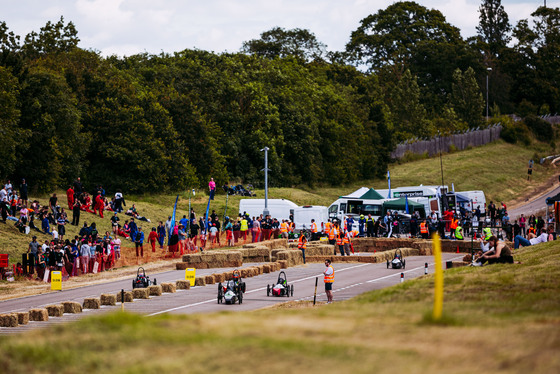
(183, 284)
(155, 290)
(108, 299)
(128, 297)
(200, 281)
(72, 307)
(23, 318)
(92, 303)
(140, 293)
(9, 320)
(55, 310)
(38, 314)
(169, 287)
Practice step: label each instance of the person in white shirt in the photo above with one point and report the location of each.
(521, 241)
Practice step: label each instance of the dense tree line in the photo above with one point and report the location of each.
(148, 123)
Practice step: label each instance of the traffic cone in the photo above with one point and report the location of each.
(457, 249)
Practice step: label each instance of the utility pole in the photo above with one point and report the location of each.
(488, 72)
(265, 211)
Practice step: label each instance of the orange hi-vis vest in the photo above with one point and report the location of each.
(329, 278)
(454, 223)
(345, 240)
(339, 238)
(332, 233)
(283, 227)
(423, 228)
(301, 243)
(291, 226)
(327, 228)
(313, 227)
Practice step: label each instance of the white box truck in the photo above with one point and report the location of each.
(304, 214)
(278, 208)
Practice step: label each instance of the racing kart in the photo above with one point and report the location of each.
(142, 280)
(232, 291)
(281, 288)
(398, 261)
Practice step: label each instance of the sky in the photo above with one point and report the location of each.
(127, 27)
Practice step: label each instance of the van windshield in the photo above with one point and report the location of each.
(373, 209)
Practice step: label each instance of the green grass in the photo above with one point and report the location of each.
(499, 169)
(499, 318)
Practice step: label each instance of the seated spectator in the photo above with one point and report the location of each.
(532, 239)
(499, 253)
(134, 213)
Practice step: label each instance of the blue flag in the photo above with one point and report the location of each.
(172, 220)
(207, 210)
(389, 181)
(406, 204)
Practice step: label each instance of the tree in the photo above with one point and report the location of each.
(53, 38)
(278, 42)
(466, 98)
(494, 27)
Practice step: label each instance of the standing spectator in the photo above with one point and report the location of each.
(212, 188)
(4, 208)
(244, 228)
(133, 229)
(84, 256)
(370, 222)
(53, 202)
(152, 238)
(3, 194)
(23, 190)
(492, 209)
(522, 223)
(530, 170)
(78, 187)
(61, 223)
(139, 240)
(115, 223)
(9, 188)
(70, 197)
(161, 234)
(229, 232)
(256, 230)
(76, 213)
(194, 231)
(99, 204)
(119, 201)
(168, 226)
(184, 221)
(34, 249)
(116, 242)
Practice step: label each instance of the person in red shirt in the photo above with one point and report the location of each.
(152, 238)
(70, 197)
(99, 204)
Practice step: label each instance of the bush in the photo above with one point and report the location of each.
(542, 129)
(513, 132)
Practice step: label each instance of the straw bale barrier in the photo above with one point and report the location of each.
(255, 253)
(108, 299)
(200, 281)
(319, 250)
(56, 310)
(374, 258)
(8, 320)
(169, 287)
(92, 303)
(38, 314)
(423, 245)
(140, 293)
(23, 318)
(155, 290)
(219, 277)
(208, 279)
(283, 264)
(266, 268)
(72, 307)
(211, 259)
(128, 297)
(293, 257)
(183, 284)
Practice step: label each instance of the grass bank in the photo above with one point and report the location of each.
(499, 318)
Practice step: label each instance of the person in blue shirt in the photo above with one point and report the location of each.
(184, 221)
(46, 226)
(361, 224)
(139, 240)
(133, 229)
(349, 223)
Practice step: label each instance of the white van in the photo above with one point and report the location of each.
(430, 196)
(470, 200)
(304, 214)
(353, 207)
(278, 208)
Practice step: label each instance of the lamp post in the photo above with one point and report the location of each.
(265, 211)
(488, 70)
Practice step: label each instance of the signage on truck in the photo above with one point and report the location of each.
(409, 194)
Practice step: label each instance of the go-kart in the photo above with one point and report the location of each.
(281, 288)
(398, 261)
(142, 280)
(232, 291)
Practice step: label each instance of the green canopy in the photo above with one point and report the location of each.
(400, 204)
(372, 195)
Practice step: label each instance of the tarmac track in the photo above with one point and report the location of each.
(351, 279)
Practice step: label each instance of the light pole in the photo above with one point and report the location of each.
(265, 211)
(488, 70)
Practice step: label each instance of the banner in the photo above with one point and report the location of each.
(172, 221)
(389, 181)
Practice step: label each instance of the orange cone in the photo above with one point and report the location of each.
(457, 249)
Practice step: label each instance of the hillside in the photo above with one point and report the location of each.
(498, 318)
(500, 169)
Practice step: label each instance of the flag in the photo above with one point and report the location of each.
(207, 210)
(193, 192)
(389, 181)
(173, 220)
(453, 187)
(406, 204)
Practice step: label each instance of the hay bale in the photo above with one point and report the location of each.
(283, 264)
(8, 320)
(183, 284)
(140, 293)
(266, 268)
(219, 277)
(234, 256)
(92, 303)
(72, 307)
(169, 287)
(200, 281)
(56, 310)
(155, 290)
(23, 318)
(38, 314)
(128, 298)
(209, 279)
(108, 299)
